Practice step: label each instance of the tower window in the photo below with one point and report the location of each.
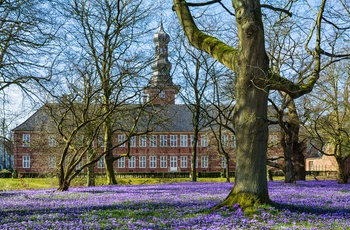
(162, 94)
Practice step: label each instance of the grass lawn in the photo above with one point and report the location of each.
(42, 183)
(322, 204)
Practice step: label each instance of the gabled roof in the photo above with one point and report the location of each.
(169, 118)
(36, 122)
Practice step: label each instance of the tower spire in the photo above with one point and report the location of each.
(161, 88)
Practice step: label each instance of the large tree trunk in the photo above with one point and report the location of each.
(109, 158)
(227, 167)
(250, 64)
(63, 183)
(293, 149)
(250, 120)
(110, 175)
(299, 162)
(287, 145)
(342, 174)
(91, 172)
(194, 159)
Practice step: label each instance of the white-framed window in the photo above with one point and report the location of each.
(100, 141)
(52, 141)
(132, 142)
(52, 162)
(163, 140)
(143, 141)
(173, 163)
(204, 140)
(121, 140)
(233, 141)
(173, 140)
(223, 162)
(183, 140)
(26, 161)
(163, 162)
(101, 163)
(142, 161)
(273, 138)
(224, 140)
(121, 162)
(204, 162)
(153, 141)
(132, 162)
(183, 162)
(153, 162)
(26, 140)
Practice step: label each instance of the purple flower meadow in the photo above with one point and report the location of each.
(306, 205)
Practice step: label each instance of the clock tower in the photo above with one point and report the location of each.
(160, 88)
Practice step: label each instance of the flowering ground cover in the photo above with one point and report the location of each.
(306, 205)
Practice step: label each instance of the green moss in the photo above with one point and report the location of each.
(248, 202)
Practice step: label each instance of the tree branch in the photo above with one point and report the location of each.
(276, 9)
(213, 46)
(203, 3)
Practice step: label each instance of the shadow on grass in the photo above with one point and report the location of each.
(316, 210)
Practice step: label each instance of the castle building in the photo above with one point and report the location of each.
(167, 149)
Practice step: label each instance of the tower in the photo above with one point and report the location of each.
(160, 88)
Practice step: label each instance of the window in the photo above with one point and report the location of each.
(26, 140)
(204, 162)
(163, 141)
(100, 141)
(142, 162)
(132, 162)
(233, 141)
(273, 138)
(173, 163)
(26, 162)
(183, 161)
(173, 140)
(163, 162)
(204, 140)
(153, 162)
(121, 162)
(224, 140)
(183, 141)
(142, 141)
(101, 163)
(133, 141)
(121, 140)
(52, 141)
(223, 162)
(311, 165)
(162, 94)
(52, 162)
(153, 141)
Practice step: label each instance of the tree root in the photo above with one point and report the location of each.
(248, 202)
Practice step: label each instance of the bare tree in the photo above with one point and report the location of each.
(107, 33)
(328, 118)
(220, 116)
(254, 79)
(25, 36)
(195, 68)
